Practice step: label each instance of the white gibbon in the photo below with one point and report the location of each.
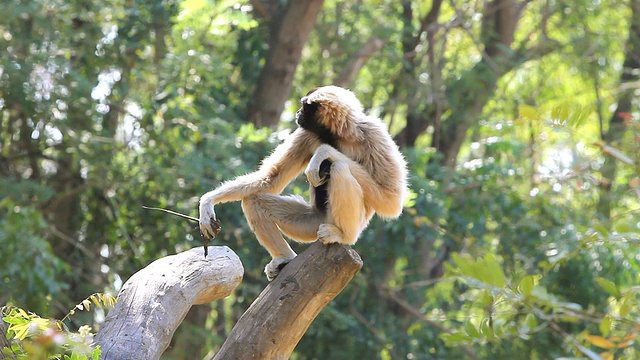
(351, 162)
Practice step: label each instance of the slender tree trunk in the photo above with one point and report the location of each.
(468, 95)
(290, 33)
(617, 127)
(353, 66)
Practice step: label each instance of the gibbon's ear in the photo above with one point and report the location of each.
(339, 110)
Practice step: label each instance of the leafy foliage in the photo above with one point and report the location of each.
(32, 337)
(32, 269)
(524, 246)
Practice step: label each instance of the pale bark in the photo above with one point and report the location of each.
(155, 300)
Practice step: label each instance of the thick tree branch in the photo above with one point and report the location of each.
(277, 319)
(153, 302)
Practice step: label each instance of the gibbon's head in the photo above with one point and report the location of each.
(330, 112)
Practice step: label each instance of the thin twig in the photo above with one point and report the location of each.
(172, 213)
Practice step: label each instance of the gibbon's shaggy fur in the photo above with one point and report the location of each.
(352, 164)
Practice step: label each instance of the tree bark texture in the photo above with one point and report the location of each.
(155, 300)
(4, 342)
(275, 322)
(290, 33)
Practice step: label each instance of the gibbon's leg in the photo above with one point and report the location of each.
(268, 214)
(346, 215)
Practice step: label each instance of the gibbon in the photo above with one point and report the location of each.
(353, 167)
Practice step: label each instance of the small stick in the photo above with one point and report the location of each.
(172, 213)
(215, 224)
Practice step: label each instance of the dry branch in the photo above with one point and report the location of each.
(155, 300)
(275, 322)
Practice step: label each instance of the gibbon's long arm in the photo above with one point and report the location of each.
(275, 173)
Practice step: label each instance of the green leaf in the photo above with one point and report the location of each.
(560, 113)
(486, 329)
(531, 321)
(609, 286)
(496, 275)
(601, 229)
(578, 116)
(471, 329)
(605, 326)
(485, 299)
(625, 307)
(528, 112)
(454, 338)
(624, 228)
(526, 285)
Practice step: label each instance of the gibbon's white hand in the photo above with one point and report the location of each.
(315, 176)
(209, 225)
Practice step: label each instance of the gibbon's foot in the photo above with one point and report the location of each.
(329, 234)
(275, 266)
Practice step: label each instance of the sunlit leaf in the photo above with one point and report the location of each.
(526, 284)
(578, 116)
(531, 321)
(87, 304)
(454, 338)
(471, 329)
(486, 329)
(560, 113)
(609, 286)
(496, 274)
(605, 326)
(606, 355)
(484, 300)
(625, 306)
(600, 341)
(528, 112)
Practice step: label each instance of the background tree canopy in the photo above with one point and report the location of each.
(520, 120)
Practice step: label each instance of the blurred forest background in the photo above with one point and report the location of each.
(520, 120)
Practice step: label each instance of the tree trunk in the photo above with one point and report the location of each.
(617, 127)
(155, 300)
(468, 95)
(4, 342)
(275, 322)
(353, 66)
(290, 34)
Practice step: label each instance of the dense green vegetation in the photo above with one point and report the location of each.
(520, 121)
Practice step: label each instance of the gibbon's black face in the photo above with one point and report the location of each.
(307, 118)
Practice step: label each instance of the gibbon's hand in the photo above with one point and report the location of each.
(317, 170)
(209, 225)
